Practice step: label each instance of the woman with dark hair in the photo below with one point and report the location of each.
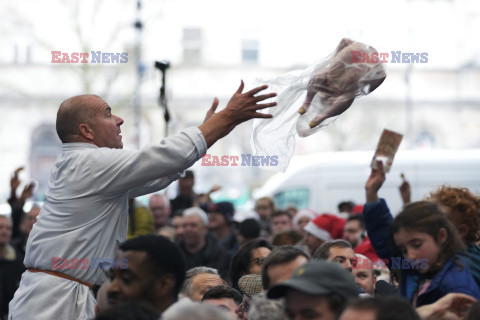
(248, 259)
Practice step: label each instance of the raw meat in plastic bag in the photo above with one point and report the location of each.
(313, 98)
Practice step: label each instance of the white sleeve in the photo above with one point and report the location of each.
(154, 186)
(120, 171)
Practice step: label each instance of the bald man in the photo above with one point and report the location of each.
(84, 216)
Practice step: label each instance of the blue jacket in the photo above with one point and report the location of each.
(451, 278)
(472, 258)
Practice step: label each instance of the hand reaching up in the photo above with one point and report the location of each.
(405, 192)
(375, 182)
(15, 181)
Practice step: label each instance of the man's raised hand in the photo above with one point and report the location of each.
(244, 106)
(241, 107)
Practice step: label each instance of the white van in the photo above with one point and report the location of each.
(321, 181)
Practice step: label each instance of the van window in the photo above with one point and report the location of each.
(299, 197)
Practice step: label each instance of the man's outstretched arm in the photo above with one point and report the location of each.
(136, 171)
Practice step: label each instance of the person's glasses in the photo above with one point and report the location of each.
(258, 261)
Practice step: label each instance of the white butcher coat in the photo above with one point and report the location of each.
(85, 216)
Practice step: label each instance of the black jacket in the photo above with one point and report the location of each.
(212, 255)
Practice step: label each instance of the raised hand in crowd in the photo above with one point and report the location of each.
(27, 191)
(375, 182)
(405, 191)
(15, 183)
(16, 204)
(215, 188)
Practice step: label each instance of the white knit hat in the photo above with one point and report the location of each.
(196, 211)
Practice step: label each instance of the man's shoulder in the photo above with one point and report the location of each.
(81, 156)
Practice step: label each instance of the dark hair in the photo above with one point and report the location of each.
(239, 265)
(189, 175)
(222, 291)
(386, 307)
(324, 251)
(164, 256)
(337, 303)
(249, 228)
(286, 238)
(130, 310)
(463, 208)
(359, 218)
(280, 255)
(426, 217)
(346, 206)
(270, 202)
(177, 213)
(278, 213)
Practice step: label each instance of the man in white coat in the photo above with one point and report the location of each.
(84, 217)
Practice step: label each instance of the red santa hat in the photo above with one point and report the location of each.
(358, 209)
(326, 227)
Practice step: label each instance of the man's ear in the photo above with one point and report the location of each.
(86, 131)
(165, 284)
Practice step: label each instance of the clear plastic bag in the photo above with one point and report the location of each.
(312, 99)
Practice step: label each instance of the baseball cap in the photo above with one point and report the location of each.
(225, 208)
(318, 278)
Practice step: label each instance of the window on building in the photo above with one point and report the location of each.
(298, 197)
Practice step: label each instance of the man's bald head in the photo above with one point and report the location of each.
(73, 112)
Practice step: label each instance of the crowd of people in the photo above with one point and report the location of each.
(188, 258)
(94, 252)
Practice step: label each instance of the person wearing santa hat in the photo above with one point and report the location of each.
(321, 229)
(302, 218)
